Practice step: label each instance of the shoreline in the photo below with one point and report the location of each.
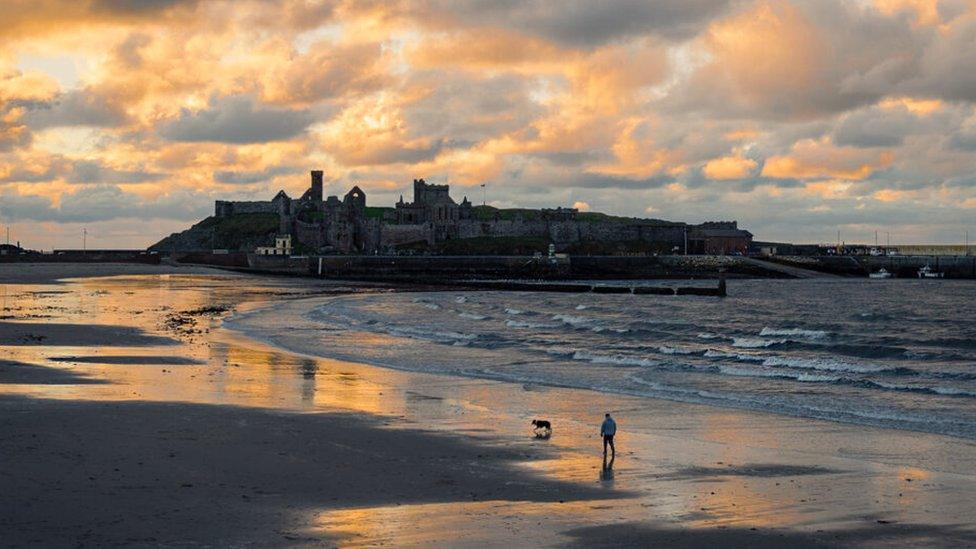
(296, 311)
(217, 402)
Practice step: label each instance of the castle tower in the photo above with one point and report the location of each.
(316, 186)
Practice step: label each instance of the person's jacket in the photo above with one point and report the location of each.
(609, 427)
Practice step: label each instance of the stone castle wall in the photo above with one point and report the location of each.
(309, 234)
(224, 208)
(395, 235)
(565, 233)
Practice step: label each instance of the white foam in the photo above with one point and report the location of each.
(472, 316)
(619, 360)
(461, 299)
(755, 343)
(664, 349)
(712, 353)
(582, 307)
(436, 336)
(821, 364)
(432, 306)
(748, 372)
(572, 320)
(793, 332)
(521, 324)
(513, 311)
(708, 335)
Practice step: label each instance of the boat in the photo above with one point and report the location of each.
(881, 273)
(927, 272)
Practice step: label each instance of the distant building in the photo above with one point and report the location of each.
(432, 204)
(719, 238)
(347, 226)
(282, 246)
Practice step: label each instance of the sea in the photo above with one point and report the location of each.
(890, 353)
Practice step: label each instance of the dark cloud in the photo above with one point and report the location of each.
(13, 136)
(800, 61)
(948, 65)
(102, 203)
(20, 175)
(89, 171)
(583, 23)
(79, 171)
(247, 178)
(237, 119)
(964, 140)
(875, 127)
(86, 107)
(138, 7)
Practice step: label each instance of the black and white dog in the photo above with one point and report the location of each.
(542, 425)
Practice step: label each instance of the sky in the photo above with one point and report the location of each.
(798, 118)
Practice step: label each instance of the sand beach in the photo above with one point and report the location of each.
(153, 406)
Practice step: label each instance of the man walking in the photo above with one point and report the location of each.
(607, 430)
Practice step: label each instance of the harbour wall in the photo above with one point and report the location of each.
(516, 267)
(902, 266)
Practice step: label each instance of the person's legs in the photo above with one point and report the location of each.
(605, 444)
(613, 451)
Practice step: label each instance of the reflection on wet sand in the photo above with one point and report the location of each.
(680, 464)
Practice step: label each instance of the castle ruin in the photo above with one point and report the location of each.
(347, 226)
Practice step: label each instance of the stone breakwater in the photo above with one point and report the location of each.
(902, 266)
(428, 268)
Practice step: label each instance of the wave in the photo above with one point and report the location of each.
(513, 311)
(572, 320)
(712, 353)
(618, 360)
(865, 383)
(934, 390)
(798, 376)
(521, 324)
(829, 365)
(793, 332)
(755, 343)
(436, 336)
(708, 335)
(582, 307)
(472, 316)
(665, 350)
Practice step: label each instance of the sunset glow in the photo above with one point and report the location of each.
(798, 118)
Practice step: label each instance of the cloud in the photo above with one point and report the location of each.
(102, 203)
(84, 107)
(237, 119)
(875, 128)
(247, 178)
(89, 171)
(821, 111)
(730, 167)
(327, 71)
(579, 22)
(797, 60)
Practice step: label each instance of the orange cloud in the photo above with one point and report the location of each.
(920, 107)
(925, 12)
(729, 167)
(889, 195)
(818, 159)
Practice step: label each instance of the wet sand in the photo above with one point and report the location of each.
(122, 426)
(41, 273)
